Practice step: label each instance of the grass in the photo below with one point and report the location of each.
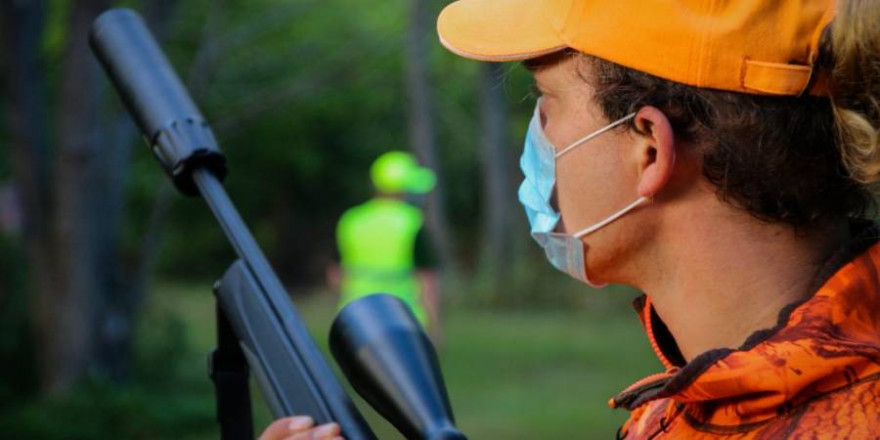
(510, 374)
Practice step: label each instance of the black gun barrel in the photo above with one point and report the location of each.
(168, 118)
(292, 371)
(144, 78)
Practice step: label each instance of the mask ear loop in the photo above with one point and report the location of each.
(594, 134)
(617, 215)
(640, 201)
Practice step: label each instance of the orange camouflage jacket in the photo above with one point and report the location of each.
(816, 375)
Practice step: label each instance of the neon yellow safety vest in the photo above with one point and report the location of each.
(377, 244)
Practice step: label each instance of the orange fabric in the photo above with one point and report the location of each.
(751, 46)
(816, 376)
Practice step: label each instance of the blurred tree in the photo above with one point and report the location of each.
(59, 331)
(69, 160)
(122, 281)
(419, 40)
(499, 189)
(23, 108)
(302, 95)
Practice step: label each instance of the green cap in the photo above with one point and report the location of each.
(398, 172)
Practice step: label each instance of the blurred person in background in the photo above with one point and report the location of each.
(722, 157)
(382, 245)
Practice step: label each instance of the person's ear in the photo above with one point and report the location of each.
(656, 150)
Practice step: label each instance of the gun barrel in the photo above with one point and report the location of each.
(144, 78)
(291, 370)
(169, 120)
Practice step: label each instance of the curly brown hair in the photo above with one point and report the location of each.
(775, 157)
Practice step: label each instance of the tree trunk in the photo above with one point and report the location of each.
(78, 229)
(421, 124)
(73, 198)
(22, 25)
(499, 190)
(115, 301)
(122, 287)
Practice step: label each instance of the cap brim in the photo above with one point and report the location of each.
(509, 30)
(421, 181)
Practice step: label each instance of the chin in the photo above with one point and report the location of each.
(608, 266)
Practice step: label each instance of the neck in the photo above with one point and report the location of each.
(729, 277)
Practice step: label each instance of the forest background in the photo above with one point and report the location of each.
(105, 271)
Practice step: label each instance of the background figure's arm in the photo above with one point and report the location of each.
(431, 302)
(431, 297)
(333, 277)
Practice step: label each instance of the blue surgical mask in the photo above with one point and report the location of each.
(538, 162)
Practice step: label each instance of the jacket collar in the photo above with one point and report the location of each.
(818, 345)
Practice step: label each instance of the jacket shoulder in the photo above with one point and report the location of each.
(852, 412)
(849, 413)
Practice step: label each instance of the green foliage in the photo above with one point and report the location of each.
(303, 97)
(543, 374)
(99, 410)
(168, 397)
(514, 375)
(57, 16)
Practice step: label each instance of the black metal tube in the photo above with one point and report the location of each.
(236, 230)
(144, 78)
(183, 142)
(173, 126)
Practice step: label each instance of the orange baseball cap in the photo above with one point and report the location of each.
(751, 46)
